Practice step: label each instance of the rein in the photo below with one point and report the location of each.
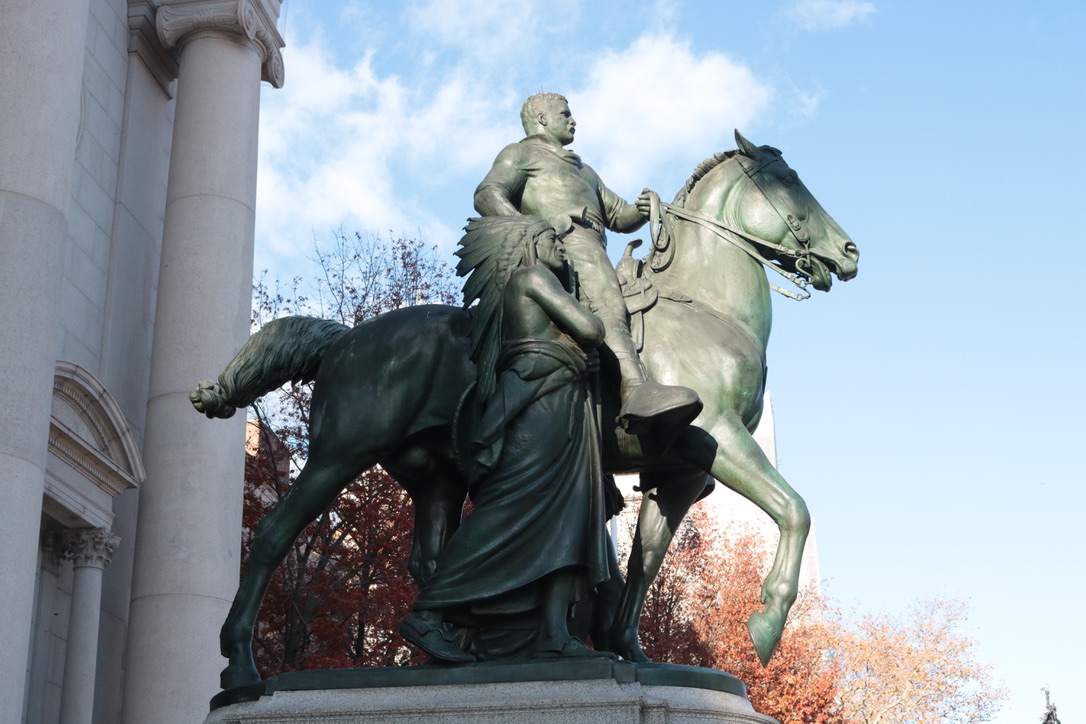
(661, 229)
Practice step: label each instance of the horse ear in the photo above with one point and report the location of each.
(746, 147)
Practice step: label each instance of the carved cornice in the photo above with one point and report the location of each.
(96, 440)
(92, 464)
(68, 390)
(253, 20)
(143, 41)
(89, 547)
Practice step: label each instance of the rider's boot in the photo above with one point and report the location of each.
(647, 404)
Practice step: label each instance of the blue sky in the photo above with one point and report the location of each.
(931, 410)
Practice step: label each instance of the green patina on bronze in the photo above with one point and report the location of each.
(536, 540)
(622, 672)
(387, 391)
(539, 177)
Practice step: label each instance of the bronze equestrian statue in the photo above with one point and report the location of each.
(387, 391)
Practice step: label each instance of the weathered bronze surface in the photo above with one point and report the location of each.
(623, 672)
(536, 541)
(706, 331)
(537, 176)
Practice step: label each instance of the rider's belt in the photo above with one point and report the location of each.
(583, 218)
(591, 224)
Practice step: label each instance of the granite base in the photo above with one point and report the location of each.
(532, 692)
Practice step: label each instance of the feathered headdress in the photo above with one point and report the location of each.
(490, 250)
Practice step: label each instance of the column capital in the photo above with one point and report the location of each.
(143, 40)
(89, 547)
(253, 20)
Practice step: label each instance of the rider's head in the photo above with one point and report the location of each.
(548, 114)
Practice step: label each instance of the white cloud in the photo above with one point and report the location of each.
(487, 31)
(665, 12)
(348, 147)
(657, 100)
(324, 147)
(828, 14)
(353, 143)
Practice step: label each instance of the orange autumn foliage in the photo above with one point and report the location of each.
(696, 611)
(918, 668)
(830, 668)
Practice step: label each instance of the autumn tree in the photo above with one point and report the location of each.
(336, 599)
(668, 632)
(829, 667)
(799, 686)
(916, 668)
(695, 614)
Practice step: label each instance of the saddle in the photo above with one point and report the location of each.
(638, 291)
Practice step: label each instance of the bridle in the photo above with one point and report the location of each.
(662, 225)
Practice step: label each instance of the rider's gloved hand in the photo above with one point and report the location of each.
(644, 203)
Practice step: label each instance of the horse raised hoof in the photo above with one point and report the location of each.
(432, 638)
(765, 634)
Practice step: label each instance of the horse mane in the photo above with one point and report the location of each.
(703, 169)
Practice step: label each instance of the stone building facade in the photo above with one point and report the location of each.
(128, 134)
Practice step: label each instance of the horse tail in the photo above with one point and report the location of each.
(283, 350)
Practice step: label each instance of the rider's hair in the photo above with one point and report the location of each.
(533, 106)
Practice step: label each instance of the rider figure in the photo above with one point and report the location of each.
(538, 177)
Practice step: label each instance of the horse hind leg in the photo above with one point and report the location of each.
(662, 510)
(438, 489)
(737, 461)
(317, 486)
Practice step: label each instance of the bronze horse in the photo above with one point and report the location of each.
(386, 391)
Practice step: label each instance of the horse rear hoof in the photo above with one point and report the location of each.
(628, 648)
(236, 675)
(764, 634)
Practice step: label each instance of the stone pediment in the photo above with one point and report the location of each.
(93, 454)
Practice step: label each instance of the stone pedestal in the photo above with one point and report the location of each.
(543, 692)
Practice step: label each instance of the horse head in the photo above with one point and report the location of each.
(778, 208)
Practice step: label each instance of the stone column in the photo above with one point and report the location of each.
(188, 533)
(89, 550)
(42, 44)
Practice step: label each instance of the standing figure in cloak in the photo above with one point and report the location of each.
(539, 177)
(536, 541)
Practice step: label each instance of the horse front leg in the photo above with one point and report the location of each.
(662, 510)
(316, 487)
(738, 462)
